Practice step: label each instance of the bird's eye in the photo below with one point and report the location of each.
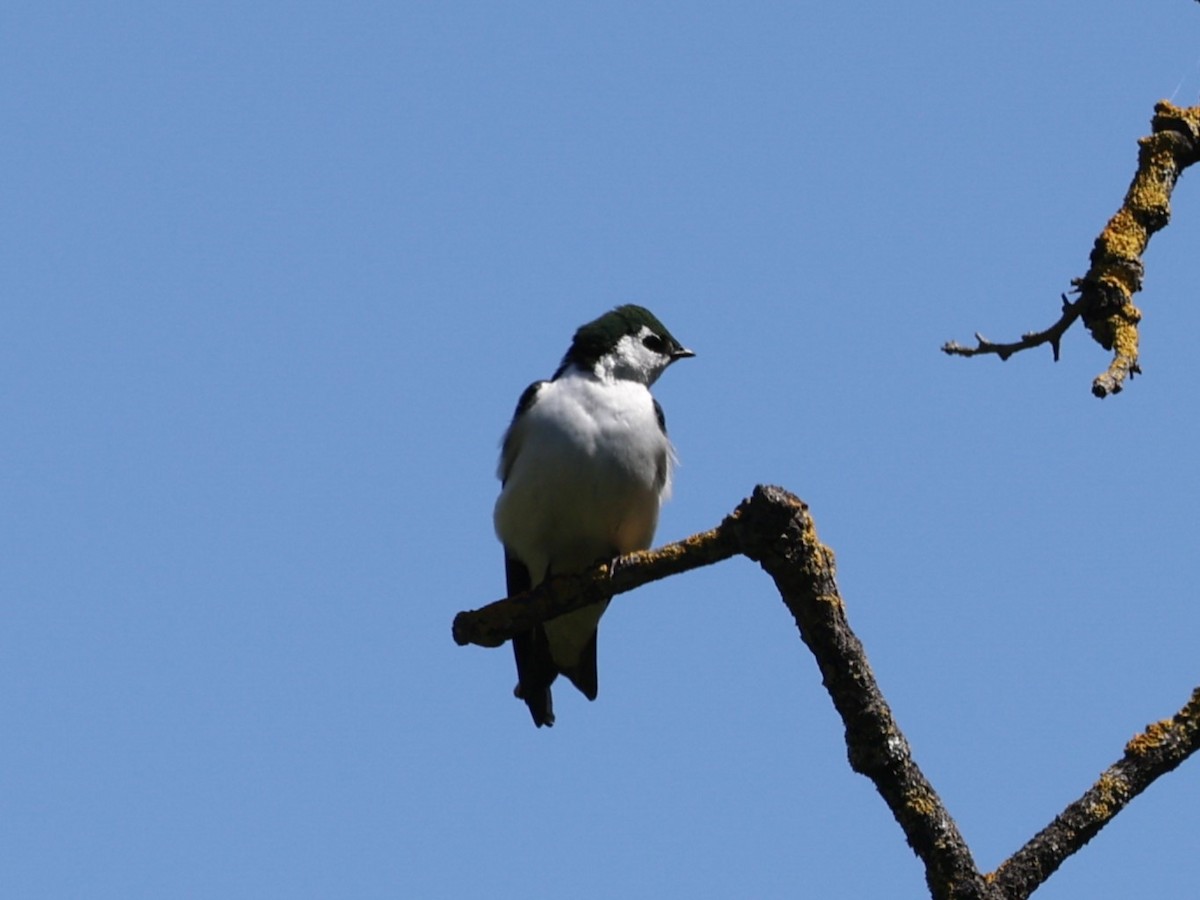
(655, 343)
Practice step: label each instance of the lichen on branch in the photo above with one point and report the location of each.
(1105, 292)
(774, 529)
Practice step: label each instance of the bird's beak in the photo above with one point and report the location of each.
(681, 353)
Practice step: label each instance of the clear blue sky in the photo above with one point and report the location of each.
(274, 276)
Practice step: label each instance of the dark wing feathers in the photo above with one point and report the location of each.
(527, 397)
(583, 674)
(508, 448)
(535, 667)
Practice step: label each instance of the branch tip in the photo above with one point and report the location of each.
(1116, 268)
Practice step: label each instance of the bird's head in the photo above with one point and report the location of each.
(627, 342)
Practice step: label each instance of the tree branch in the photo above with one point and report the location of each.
(499, 621)
(774, 528)
(778, 533)
(1115, 274)
(1052, 336)
(1156, 751)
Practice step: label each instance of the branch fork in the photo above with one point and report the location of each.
(1116, 270)
(774, 528)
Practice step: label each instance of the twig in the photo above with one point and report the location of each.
(499, 621)
(1115, 274)
(1052, 336)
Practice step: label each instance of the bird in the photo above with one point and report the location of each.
(584, 467)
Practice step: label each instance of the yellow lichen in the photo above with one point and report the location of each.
(922, 804)
(1112, 792)
(1125, 333)
(1150, 190)
(1124, 236)
(1153, 737)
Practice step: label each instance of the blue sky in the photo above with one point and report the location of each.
(275, 277)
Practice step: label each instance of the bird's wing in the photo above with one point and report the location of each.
(662, 465)
(535, 667)
(511, 445)
(583, 674)
(661, 416)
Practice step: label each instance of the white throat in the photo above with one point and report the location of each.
(632, 360)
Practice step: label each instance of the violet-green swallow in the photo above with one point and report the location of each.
(585, 465)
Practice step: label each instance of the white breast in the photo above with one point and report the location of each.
(588, 466)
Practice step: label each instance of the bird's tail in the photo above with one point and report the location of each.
(535, 673)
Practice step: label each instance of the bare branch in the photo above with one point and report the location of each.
(774, 529)
(1052, 336)
(1115, 274)
(1156, 751)
(499, 621)
(777, 532)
